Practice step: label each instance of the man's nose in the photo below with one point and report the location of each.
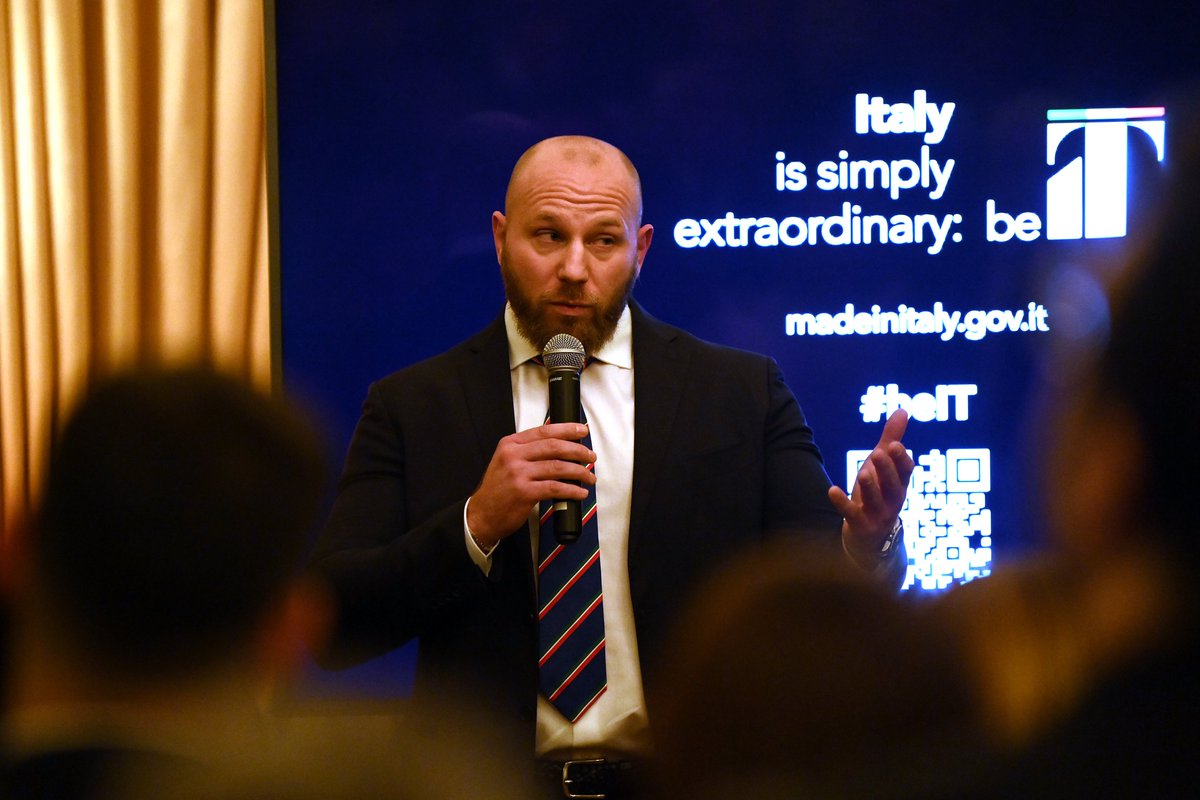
(574, 267)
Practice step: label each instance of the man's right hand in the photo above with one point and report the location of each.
(528, 467)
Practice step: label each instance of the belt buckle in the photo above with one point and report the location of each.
(567, 780)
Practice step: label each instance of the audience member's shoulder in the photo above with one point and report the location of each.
(92, 772)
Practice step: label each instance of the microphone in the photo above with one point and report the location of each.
(564, 357)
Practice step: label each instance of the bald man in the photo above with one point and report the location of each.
(434, 531)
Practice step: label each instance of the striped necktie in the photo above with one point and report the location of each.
(571, 669)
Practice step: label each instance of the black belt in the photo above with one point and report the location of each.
(592, 778)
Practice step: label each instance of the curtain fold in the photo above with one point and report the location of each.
(133, 221)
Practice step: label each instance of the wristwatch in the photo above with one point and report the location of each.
(889, 544)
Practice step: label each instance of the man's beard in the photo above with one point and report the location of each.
(592, 331)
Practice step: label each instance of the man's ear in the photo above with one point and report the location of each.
(499, 225)
(644, 235)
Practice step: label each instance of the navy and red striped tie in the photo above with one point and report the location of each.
(571, 669)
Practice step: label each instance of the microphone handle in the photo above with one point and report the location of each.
(564, 407)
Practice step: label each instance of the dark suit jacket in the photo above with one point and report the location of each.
(722, 457)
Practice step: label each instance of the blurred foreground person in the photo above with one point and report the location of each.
(155, 599)
(799, 678)
(1089, 660)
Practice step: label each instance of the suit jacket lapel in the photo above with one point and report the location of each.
(486, 379)
(484, 376)
(660, 364)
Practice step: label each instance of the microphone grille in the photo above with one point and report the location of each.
(564, 351)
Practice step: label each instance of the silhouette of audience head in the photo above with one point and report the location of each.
(1125, 456)
(794, 675)
(176, 508)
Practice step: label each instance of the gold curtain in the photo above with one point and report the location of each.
(133, 204)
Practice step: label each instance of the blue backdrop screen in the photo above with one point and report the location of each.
(905, 205)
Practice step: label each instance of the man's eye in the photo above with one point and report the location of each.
(606, 241)
(548, 235)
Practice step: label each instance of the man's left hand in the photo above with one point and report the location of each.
(878, 494)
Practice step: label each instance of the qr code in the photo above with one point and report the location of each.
(947, 525)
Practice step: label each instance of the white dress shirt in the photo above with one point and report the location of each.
(617, 723)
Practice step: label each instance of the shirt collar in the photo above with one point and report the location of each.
(618, 351)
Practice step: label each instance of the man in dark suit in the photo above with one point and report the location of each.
(433, 532)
